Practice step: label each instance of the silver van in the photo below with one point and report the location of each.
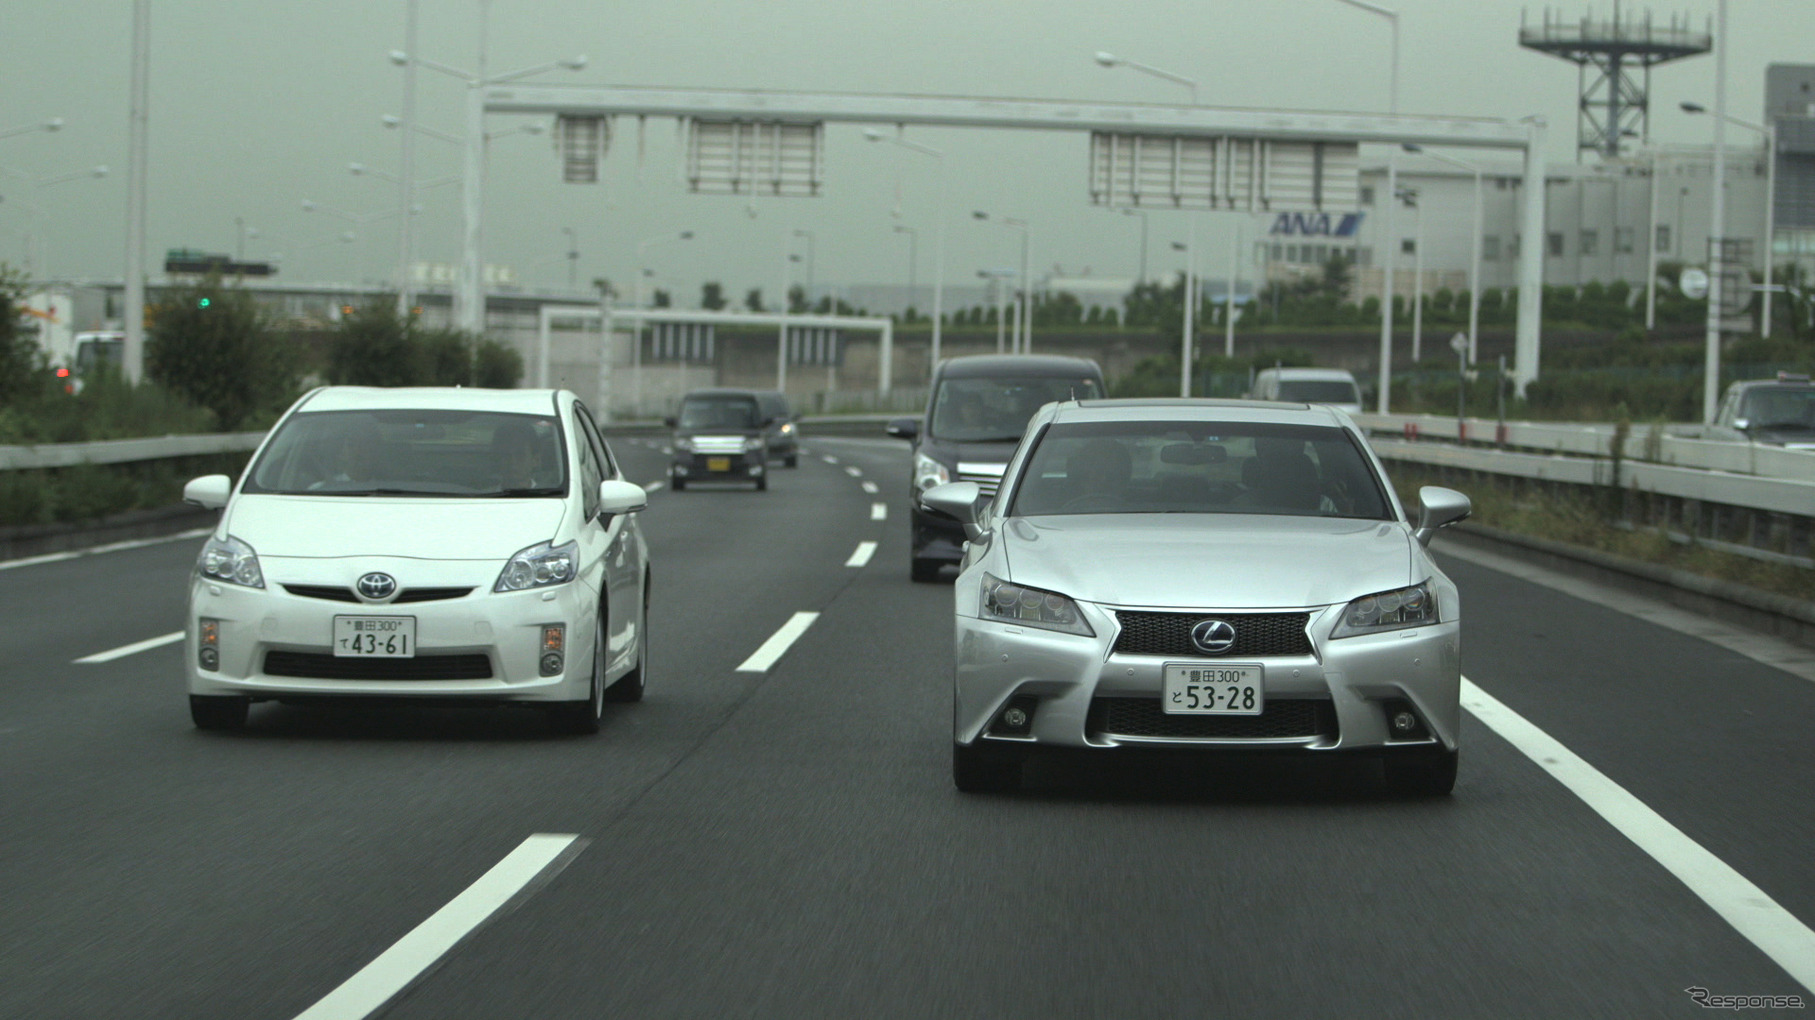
(1332, 386)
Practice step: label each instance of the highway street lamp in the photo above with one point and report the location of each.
(1717, 226)
(1024, 338)
(49, 126)
(808, 292)
(938, 236)
(1111, 60)
(636, 347)
(469, 305)
(1142, 213)
(913, 237)
(1189, 247)
(1410, 197)
(1474, 261)
(1769, 131)
(995, 277)
(573, 256)
(1392, 239)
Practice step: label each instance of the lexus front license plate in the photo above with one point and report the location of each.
(375, 637)
(1222, 689)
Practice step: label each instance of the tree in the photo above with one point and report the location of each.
(21, 362)
(753, 301)
(213, 346)
(496, 366)
(712, 296)
(797, 299)
(374, 347)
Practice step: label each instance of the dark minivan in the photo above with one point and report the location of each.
(976, 411)
(720, 435)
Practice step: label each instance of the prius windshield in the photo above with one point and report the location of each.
(413, 453)
(1199, 467)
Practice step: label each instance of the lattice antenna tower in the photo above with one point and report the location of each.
(1615, 104)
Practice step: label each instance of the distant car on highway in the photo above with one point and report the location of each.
(1776, 412)
(721, 435)
(464, 545)
(783, 431)
(1333, 386)
(1202, 576)
(977, 408)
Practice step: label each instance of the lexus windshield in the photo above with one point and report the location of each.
(413, 453)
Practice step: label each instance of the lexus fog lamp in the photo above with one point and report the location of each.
(929, 472)
(1032, 607)
(539, 566)
(230, 560)
(1388, 610)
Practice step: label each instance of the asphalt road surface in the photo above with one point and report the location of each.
(776, 834)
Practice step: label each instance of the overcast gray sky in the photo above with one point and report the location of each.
(258, 105)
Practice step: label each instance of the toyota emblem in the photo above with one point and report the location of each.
(375, 587)
(1213, 637)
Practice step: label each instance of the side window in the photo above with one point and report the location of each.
(590, 472)
(588, 426)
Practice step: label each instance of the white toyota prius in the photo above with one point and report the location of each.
(467, 545)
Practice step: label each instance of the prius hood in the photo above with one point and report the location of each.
(309, 527)
(1208, 561)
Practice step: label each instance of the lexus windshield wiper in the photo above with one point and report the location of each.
(546, 490)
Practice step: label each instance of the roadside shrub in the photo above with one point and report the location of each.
(213, 346)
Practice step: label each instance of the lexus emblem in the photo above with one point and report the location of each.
(377, 587)
(1213, 637)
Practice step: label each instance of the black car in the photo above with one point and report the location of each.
(784, 427)
(720, 435)
(975, 414)
(1775, 412)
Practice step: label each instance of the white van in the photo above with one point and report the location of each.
(1332, 386)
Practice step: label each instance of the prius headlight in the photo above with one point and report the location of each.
(929, 472)
(1031, 607)
(539, 566)
(1388, 610)
(230, 560)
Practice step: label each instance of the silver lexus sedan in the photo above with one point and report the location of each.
(1203, 575)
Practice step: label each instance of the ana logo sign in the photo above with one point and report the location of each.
(1315, 224)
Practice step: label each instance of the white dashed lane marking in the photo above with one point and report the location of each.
(870, 487)
(862, 556)
(778, 643)
(854, 472)
(137, 646)
(655, 486)
(829, 459)
(879, 511)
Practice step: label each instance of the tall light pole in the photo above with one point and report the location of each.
(1142, 213)
(1717, 229)
(808, 291)
(1111, 60)
(573, 256)
(913, 237)
(1411, 198)
(1185, 336)
(1392, 239)
(1023, 342)
(133, 350)
(469, 298)
(1235, 272)
(636, 344)
(938, 235)
(406, 177)
(995, 277)
(1769, 131)
(1474, 261)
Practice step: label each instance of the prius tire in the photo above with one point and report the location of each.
(978, 769)
(1423, 773)
(213, 712)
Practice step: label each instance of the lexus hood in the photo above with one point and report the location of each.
(1208, 561)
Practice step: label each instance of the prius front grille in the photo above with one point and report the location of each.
(319, 666)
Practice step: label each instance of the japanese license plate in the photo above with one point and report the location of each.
(1222, 689)
(718, 463)
(375, 637)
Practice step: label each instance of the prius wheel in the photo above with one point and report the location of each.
(630, 686)
(1421, 773)
(582, 717)
(980, 769)
(211, 712)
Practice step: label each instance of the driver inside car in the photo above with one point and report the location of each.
(1098, 473)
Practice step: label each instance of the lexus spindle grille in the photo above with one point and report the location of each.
(1256, 634)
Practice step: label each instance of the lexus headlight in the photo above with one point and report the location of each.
(1388, 610)
(539, 566)
(230, 560)
(1032, 607)
(928, 473)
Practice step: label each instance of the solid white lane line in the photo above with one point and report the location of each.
(865, 550)
(1745, 906)
(655, 486)
(870, 487)
(854, 472)
(829, 459)
(137, 646)
(73, 554)
(879, 511)
(394, 969)
(778, 643)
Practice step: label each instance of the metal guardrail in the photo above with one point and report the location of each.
(123, 451)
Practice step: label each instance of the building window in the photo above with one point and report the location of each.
(1367, 194)
(1663, 237)
(1555, 240)
(1274, 251)
(1622, 240)
(1591, 240)
(1292, 253)
(1408, 247)
(1490, 247)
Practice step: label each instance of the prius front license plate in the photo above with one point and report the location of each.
(375, 637)
(718, 463)
(1234, 688)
